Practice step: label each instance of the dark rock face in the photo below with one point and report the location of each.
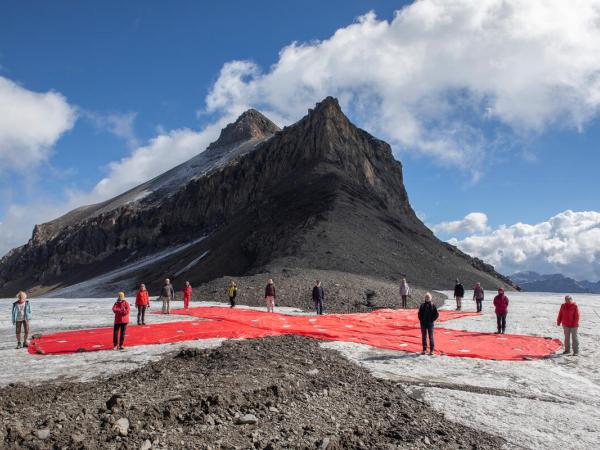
(320, 194)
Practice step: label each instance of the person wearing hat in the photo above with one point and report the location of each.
(568, 317)
(459, 293)
(121, 310)
(501, 306)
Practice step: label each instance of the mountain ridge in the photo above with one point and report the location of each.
(321, 194)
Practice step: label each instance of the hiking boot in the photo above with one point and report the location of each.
(115, 348)
(122, 347)
(431, 353)
(423, 352)
(19, 345)
(575, 353)
(25, 344)
(566, 352)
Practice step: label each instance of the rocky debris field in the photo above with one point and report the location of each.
(277, 392)
(344, 292)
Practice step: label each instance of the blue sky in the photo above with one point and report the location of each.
(477, 129)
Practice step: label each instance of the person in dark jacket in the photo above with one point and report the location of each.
(270, 296)
(428, 314)
(318, 295)
(21, 315)
(167, 293)
(501, 307)
(459, 293)
(478, 296)
(121, 310)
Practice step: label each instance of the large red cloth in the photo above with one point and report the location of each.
(385, 328)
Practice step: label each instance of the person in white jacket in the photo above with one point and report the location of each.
(404, 293)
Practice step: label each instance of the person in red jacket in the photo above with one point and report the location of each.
(121, 310)
(568, 317)
(501, 306)
(142, 302)
(187, 294)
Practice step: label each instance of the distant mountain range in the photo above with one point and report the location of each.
(556, 282)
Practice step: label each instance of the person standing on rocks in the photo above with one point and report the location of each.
(121, 310)
(428, 314)
(318, 295)
(478, 296)
(187, 295)
(166, 295)
(232, 293)
(270, 296)
(142, 302)
(568, 317)
(501, 306)
(404, 293)
(459, 293)
(21, 315)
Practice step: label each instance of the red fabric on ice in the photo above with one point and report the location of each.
(389, 329)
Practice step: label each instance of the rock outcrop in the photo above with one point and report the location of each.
(320, 194)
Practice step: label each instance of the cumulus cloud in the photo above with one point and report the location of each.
(431, 78)
(567, 243)
(475, 222)
(30, 124)
(160, 154)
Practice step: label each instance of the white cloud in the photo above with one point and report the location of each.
(160, 154)
(30, 124)
(567, 243)
(120, 125)
(475, 222)
(430, 78)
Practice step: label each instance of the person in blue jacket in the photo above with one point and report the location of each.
(21, 315)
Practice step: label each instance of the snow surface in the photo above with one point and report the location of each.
(551, 404)
(53, 315)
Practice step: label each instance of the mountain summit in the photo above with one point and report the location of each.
(250, 125)
(320, 194)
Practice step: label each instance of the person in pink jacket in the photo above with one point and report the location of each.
(501, 306)
(121, 309)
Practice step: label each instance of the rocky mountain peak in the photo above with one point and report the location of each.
(250, 125)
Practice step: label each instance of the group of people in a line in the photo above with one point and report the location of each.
(568, 315)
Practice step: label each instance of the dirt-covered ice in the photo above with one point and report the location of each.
(552, 403)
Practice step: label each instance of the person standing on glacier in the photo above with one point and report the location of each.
(568, 317)
(459, 293)
(166, 295)
(404, 293)
(21, 315)
(478, 296)
(501, 307)
(187, 295)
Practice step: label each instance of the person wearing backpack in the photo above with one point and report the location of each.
(404, 293)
